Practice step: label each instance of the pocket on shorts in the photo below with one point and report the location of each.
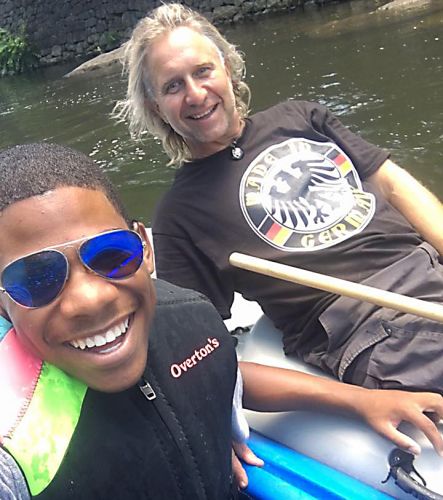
(409, 356)
(347, 336)
(367, 338)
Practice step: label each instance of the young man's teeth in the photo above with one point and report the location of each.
(110, 336)
(101, 340)
(90, 341)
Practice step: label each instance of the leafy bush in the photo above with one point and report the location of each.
(109, 40)
(16, 55)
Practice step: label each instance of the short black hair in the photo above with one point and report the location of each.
(29, 170)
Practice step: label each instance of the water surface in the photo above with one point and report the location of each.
(381, 73)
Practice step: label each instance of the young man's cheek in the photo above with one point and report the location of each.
(26, 339)
(29, 326)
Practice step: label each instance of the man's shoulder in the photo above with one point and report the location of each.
(12, 483)
(288, 106)
(170, 207)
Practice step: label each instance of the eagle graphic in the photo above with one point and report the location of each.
(306, 194)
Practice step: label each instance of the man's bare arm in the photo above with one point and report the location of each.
(416, 203)
(276, 389)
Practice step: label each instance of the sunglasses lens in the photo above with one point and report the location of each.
(115, 255)
(35, 280)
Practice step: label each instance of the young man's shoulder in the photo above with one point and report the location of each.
(181, 311)
(169, 294)
(12, 483)
(177, 303)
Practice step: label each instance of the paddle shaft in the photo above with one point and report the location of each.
(338, 286)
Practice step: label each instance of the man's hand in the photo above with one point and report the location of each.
(241, 451)
(384, 410)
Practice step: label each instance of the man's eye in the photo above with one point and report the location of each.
(203, 71)
(172, 88)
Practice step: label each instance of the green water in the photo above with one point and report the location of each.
(381, 73)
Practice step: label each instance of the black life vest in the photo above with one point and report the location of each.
(170, 436)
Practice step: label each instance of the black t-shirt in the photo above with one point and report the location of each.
(301, 195)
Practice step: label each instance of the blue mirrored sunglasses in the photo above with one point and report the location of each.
(35, 280)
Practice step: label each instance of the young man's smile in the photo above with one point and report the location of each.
(95, 329)
(103, 342)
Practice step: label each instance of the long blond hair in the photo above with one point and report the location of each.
(134, 108)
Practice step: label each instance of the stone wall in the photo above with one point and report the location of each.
(61, 30)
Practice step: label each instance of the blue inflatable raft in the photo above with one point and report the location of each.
(317, 455)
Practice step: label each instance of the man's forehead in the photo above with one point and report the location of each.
(185, 35)
(185, 41)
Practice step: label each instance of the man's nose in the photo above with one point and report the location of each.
(86, 294)
(195, 92)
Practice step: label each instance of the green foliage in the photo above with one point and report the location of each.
(112, 38)
(16, 55)
(108, 41)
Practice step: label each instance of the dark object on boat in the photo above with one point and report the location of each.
(403, 471)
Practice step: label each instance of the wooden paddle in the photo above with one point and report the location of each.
(366, 293)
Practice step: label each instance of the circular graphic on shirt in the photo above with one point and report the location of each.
(303, 195)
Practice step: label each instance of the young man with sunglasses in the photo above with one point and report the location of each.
(113, 386)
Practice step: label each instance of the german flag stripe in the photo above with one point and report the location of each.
(343, 164)
(279, 234)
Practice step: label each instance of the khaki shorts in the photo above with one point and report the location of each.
(381, 348)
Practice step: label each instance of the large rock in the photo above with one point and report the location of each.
(404, 4)
(100, 62)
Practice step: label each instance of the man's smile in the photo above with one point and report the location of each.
(205, 114)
